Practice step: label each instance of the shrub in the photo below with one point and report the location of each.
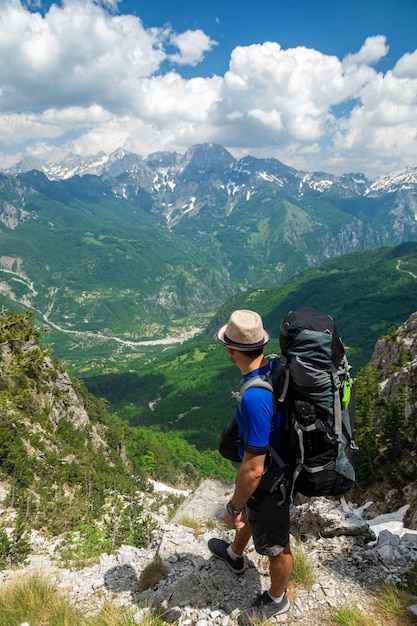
(16, 548)
(84, 546)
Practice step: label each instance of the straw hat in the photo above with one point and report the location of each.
(243, 331)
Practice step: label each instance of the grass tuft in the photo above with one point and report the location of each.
(390, 607)
(352, 616)
(303, 574)
(35, 600)
(155, 571)
(192, 522)
(392, 604)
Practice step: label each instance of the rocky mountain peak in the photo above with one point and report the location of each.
(182, 184)
(205, 162)
(210, 156)
(162, 159)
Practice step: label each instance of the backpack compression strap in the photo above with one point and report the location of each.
(337, 415)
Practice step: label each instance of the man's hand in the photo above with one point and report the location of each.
(235, 522)
(247, 480)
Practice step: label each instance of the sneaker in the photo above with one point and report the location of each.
(264, 607)
(218, 547)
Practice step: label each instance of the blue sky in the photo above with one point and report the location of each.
(331, 26)
(319, 84)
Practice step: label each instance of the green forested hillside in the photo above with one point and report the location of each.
(65, 457)
(87, 262)
(108, 263)
(187, 389)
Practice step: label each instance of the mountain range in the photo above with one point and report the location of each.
(139, 248)
(169, 165)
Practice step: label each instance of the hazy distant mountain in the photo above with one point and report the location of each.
(202, 157)
(207, 176)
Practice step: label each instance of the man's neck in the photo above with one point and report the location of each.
(247, 366)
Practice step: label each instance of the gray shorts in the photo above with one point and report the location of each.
(269, 522)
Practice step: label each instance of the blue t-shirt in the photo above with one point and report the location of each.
(254, 421)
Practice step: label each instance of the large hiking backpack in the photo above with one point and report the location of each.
(317, 392)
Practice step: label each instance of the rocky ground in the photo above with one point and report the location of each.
(353, 557)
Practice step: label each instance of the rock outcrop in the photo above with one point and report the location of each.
(395, 359)
(353, 558)
(395, 363)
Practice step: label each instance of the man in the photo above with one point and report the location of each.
(253, 510)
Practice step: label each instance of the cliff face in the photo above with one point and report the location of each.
(395, 360)
(33, 387)
(395, 363)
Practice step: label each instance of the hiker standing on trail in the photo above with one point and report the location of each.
(253, 510)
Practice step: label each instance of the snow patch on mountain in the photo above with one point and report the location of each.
(389, 183)
(270, 178)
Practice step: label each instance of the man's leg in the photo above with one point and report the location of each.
(270, 524)
(280, 568)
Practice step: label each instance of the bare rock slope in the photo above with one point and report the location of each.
(352, 558)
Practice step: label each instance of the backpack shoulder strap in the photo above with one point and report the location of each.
(255, 381)
(265, 382)
(261, 380)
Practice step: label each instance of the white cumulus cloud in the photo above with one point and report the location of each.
(192, 46)
(370, 53)
(84, 78)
